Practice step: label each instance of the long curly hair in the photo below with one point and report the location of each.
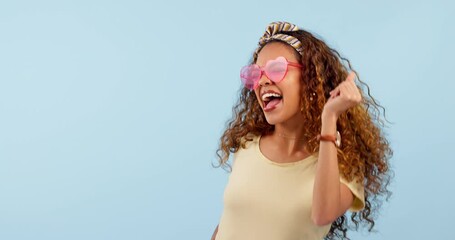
(364, 152)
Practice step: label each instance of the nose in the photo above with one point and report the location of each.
(264, 80)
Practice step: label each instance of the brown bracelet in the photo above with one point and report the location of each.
(336, 139)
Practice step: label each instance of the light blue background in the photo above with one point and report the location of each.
(111, 111)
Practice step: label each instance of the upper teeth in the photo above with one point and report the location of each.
(265, 96)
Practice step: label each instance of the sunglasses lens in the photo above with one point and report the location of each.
(249, 75)
(276, 70)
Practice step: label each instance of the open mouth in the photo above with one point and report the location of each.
(270, 100)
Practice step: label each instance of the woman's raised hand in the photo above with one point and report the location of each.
(343, 97)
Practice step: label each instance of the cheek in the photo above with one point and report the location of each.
(293, 99)
(294, 90)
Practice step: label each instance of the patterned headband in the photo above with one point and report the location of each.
(272, 32)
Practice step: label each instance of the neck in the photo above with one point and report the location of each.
(289, 137)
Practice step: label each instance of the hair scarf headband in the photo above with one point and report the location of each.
(273, 32)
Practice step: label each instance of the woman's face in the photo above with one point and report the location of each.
(284, 105)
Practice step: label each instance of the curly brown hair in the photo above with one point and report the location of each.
(364, 153)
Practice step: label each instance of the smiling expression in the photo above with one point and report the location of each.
(279, 101)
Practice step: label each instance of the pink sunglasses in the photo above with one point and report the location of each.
(274, 70)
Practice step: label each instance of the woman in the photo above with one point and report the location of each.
(307, 144)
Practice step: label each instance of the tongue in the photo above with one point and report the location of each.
(272, 103)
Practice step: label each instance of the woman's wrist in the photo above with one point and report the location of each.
(329, 123)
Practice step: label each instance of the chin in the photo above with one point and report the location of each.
(272, 120)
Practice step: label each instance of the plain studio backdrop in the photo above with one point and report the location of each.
(111, 111)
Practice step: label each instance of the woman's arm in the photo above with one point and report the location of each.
(214, 233)
(331, 198)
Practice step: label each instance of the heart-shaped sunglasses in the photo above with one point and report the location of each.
(275, 70)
